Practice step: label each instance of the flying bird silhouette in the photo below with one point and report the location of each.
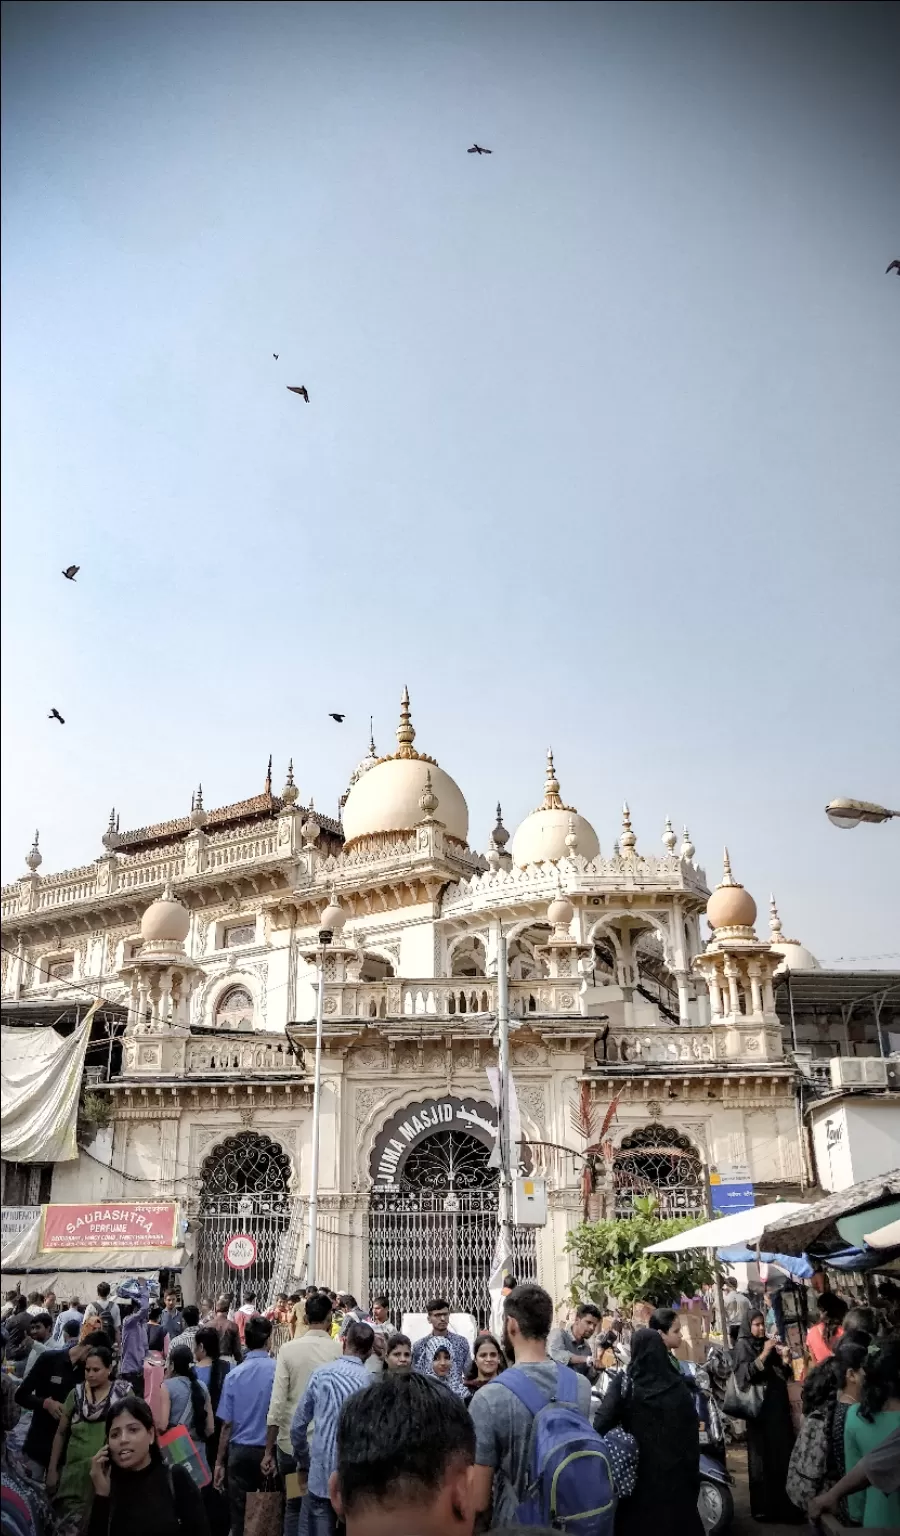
(894, 267)
(55, 715)
(71, 571)
(477, 150)
(299, 389)
(339, 718)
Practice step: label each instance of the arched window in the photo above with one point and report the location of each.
(469, 959)
(249, 1166)
(234, 1009)
(657, 1160)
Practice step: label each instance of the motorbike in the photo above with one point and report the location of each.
(715, 1502)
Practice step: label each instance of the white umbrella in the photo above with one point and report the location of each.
(741, 1227)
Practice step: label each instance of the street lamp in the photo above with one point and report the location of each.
(849, 813)
(332, 922)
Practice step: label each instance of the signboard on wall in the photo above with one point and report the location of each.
(409, 1126)
(730, 1195)
(128, 1224)
(240, 1251)
(17, 1219)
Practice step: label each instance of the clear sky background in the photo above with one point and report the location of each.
(602, 448)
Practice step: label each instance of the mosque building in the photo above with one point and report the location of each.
(647, 1057)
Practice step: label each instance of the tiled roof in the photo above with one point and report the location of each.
(258, 808)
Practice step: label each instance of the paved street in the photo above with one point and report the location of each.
(744, 1525)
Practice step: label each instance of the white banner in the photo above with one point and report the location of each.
(16, 1219)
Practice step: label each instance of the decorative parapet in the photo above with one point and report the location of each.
(576, 876)
(229, 1057)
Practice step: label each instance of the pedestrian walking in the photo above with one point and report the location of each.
(326, 1391)
(243, 1408)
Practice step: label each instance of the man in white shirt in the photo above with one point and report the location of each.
(296, 1362)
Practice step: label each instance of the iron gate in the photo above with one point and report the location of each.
(244, 1189)
(435, 1233)
(657, 1160)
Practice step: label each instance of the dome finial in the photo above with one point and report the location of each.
(500, 836)
(110, 838)
(774, 921)
(311, 828)
(268, 788)
(290, 793)
(687, 848)
(628, 839)
(727, 876)
(198, 814)
(406, 734)
(668, 837)
(571, 839)
(372, 752)
(428, 800)
(34, 858)
(552, 801)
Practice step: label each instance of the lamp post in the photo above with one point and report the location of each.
(506, 1224)
(847, 814)
(332, 921)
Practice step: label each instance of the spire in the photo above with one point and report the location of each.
(627, 839)
(500, 836)
(34, 858)
(290, 792)
(668, 837)
(571, 838)
(428, 800)
(268, 788)
(774, 922)
(372, 752)
(687, 850)
(405, 731)
(311, 828)
(198, 814)
(110, 838)
(727, 876)
(552, 801)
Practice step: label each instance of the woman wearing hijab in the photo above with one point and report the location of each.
(770, 1436)
(442, 1369)
(655, 1405)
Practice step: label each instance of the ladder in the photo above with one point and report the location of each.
(286, 1262)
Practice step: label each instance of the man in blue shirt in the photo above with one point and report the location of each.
(327, 1389)
(243, 1409)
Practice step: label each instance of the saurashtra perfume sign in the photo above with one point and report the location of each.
(126, 1224)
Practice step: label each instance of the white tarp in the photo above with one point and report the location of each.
(741, 1227)
(40, 1083)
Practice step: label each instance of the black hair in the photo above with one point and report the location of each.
(348, 1300)
(820, 1386)
(140, 1410)
(861, 1320)
(730, 1281)
(190, 1315)
(103, 1289)
(295, 1296)
(34, 1297)
(881, 1378)
(211, 1344)
(154, 1313)
(398, 1439)
(437, 1304)
(850, 1354)
(396, 1340)
(381, 1301)
(485, 1338)
(257, 1332)
(19, 1305)
(832, 1310)
(317, 1308)
(359, 1340)
(182, 1362)
(70, 1328)
(662, 1319)
(532, 1308)
(42, 1319)
(588, 1309)
(103, 1352)
(511, 1281)
(249, 1296)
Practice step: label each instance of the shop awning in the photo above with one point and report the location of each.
(740, 1227)
(817, 1227)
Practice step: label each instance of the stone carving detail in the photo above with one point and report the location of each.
(330, 1005)
(654, 1108)
(246, 1113)
(367, 1100)
(529, 1055)
(566, 1000)
(369, 1057)
(532, 1099)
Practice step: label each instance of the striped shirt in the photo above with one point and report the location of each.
(326, 1391)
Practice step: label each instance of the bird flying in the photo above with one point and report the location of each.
(339, 718)
(71, 571)
(894, 267)
(299, 389)
(477, 150)
(275, 355)
(55, 715)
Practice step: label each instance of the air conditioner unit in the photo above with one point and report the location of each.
(893, 1072)
(858, 1072)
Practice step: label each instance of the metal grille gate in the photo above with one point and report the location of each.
(244, 1189)
(435, 1234)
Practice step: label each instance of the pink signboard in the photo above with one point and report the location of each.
(125, 1224)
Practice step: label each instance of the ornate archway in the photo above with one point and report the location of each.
(657, 1160)
(433, 1209)
(245, 1187)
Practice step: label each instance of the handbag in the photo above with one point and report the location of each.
(264, 1511)
(178, 1450)
(743, 1402)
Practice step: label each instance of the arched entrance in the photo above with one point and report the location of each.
(657, 1160)
(245, 1187)
(433, 1209)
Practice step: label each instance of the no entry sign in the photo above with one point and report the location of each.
(240, 1251)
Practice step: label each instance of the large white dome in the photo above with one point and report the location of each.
(386, 797)
(546, 835)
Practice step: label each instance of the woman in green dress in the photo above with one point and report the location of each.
(871, 1420)
(80, 1433)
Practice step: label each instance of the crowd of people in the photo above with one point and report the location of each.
(163, 1418)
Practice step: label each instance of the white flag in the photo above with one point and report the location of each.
(515, 1119)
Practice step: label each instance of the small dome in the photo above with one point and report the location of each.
(387, 797)
(560, 912)
(166, 920)
(730, 906)
(542, 837)
(796, 956)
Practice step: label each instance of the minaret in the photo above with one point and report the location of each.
(738, 969)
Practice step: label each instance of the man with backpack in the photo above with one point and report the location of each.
(537, 1457)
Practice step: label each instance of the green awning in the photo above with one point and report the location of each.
(854, 1227)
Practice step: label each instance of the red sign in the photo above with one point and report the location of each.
(240, 1251)
(126, 1224)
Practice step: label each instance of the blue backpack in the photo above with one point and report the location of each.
(570, 1485)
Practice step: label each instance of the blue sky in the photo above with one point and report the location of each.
(602, 445)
